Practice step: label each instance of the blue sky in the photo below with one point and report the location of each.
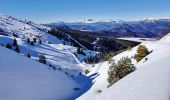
(46, 11)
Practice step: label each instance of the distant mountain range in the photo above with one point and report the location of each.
(151, 27)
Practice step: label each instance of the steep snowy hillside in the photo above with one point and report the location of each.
(57, 54)
(25, 79)
(149, 82)
(22, 29)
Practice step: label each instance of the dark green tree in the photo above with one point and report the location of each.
(119, 70)
(35, 40)
(28, 40)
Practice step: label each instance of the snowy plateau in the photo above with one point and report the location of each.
(63, 77)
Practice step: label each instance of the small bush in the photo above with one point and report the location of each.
(79, 50)
(76, 88)
(129, 48)
(42, 59)
(87, 71)
(28, 55)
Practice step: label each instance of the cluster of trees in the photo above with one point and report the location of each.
(30, 42)
(63, 36)
(15, 44)
(92, 59)
(124, 66)
(105, 44)
(119, 70)
(33, 42)
(15, 47)
(108, 56)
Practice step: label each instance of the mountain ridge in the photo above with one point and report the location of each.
(148, 28)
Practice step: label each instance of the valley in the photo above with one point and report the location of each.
(48, 62)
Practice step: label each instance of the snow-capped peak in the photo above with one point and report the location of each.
(94, 20)
(157, 18)
(152, 19)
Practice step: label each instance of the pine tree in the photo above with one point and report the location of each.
(79, 50)
(112, 74)
(15, 42)
(35, 40)
(142, 51)
(124, 67)
(28, 40)
(119, 70)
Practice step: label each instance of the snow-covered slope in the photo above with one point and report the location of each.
(25, 79)
(149, 82)
(23, 29)
(138, 39)
(57, 54)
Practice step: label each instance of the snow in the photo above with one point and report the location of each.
(138, 39)
(57, 54)
(22, 78)
(149, 82)
(25, 79)
(95, 21)
(23, 29)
